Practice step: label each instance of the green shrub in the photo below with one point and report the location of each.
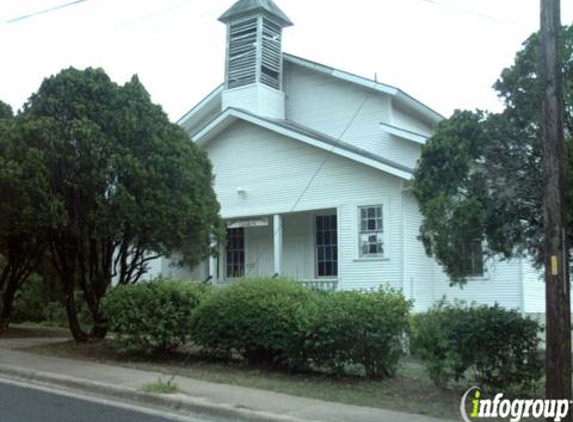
(359, 328)
(30, 301)
(277, 321)
(262, 319)
(482, 345)
(39, 299)
(54, 315)
(153, 316)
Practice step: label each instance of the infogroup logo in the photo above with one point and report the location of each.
(513, 410)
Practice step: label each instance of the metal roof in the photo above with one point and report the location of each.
(244, 7)
(304, 131)
(433, 116)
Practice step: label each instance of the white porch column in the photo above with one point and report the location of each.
(278, 243)
(213, 263)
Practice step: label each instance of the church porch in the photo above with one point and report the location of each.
(300, 245)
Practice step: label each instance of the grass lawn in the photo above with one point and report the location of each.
(411, 391)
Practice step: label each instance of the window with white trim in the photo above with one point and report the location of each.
(370, 231)
(326, 246)
(235, 252)
(472, 264)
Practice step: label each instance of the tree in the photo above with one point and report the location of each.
(480, 177)
(133, 185)
(26, 209)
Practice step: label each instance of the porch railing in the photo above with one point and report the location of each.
(325, 285)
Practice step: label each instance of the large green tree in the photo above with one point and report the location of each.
(26, 208)
(479, 178)
(132, 184)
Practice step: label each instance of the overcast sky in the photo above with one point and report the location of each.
(445, 53)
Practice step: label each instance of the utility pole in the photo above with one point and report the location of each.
(556, 253)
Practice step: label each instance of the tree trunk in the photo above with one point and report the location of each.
(99, 329)
(75, 326)
(12, 285)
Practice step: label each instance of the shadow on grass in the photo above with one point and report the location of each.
(17, 331)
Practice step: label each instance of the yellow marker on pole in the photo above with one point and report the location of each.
(554, 267)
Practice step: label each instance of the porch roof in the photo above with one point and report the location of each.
(303, 134)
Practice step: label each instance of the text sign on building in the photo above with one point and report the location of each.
(248, 222)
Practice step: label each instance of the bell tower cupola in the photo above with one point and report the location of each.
(254, 63)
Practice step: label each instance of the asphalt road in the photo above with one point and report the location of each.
(26, 403)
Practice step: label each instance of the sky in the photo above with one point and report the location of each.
(445, 53)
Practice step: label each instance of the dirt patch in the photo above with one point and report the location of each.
(25, 331)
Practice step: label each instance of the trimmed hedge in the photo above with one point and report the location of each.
(269, 321)
(153, 316)
(264, 320)
(359, 328)
(277, 321)
(483, 345)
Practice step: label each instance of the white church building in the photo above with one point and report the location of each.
(313, 169)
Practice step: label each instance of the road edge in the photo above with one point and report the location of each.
(177, 402)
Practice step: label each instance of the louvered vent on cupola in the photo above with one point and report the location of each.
(242, 56)
(254, 44)
(253, 77)
(271, 55)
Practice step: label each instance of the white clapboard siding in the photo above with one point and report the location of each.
(418, 267)
(357, 273)
(256, 98)
(534, 288)
(299, 245)
(260, 173)
(501, 284)
(404, 120)
(426, 282)
(274, 170)
(258, 251)
(345, 111)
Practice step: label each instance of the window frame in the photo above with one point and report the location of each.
(233, 276)
(316, 246)
(469, 256)
(382, 231)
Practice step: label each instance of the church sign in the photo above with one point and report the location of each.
(248, 222)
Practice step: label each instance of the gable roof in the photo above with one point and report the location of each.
(212, 103)
(404, 133)
(303, 134)
(245, 7)
(400, 96)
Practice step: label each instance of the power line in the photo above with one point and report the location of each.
(44, 11)
(153, 14)
(178, 370)
(316, 173)
(208, 12)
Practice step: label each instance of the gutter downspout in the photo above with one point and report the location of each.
(404, 190)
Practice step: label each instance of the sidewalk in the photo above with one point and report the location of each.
(200, 397)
